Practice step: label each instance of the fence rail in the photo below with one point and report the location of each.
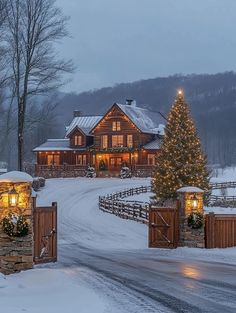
(230, 184)
(126, 209)
(223, 200)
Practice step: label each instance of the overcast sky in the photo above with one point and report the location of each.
(116, 41)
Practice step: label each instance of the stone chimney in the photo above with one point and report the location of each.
(77, 113)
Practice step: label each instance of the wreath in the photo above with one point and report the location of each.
(195, 220)
(15, 225)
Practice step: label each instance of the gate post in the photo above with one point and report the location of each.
(191, 220)
(16, 235)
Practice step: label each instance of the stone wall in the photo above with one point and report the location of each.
(190, 237)
(16, 253)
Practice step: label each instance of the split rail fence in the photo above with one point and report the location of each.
(126, 209)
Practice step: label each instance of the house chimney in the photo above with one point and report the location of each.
(129, 101)
(77, 113)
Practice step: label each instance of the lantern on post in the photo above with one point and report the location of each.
(191, 200)
(13, 197)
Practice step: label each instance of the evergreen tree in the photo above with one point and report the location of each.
(181, 161)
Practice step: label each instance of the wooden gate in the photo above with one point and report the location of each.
(45, 234)
(163, 227)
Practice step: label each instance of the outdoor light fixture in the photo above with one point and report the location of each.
(13, 197)
(194, 202)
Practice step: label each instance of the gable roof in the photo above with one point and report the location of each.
(85, 123)
(147, 121)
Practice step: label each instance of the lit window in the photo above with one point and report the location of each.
(78, 140)
(84, 159)
(79, 160)
(151, 159)
(117, 141)
(116, 126)
(104, 141)
(130, 141)
(53, 159)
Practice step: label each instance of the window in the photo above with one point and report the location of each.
(117, 141)
(130, 141)
(78, 140)
(151, 159)
(78, 159)
(116, 126)
(53, 159)
(84, 159)
(104, 141)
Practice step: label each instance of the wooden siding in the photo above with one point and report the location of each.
(220, 230)
(77, 132)
(104, 127)
(65, 157)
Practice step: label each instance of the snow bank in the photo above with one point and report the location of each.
(16, 177)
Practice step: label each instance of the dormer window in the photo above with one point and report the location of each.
(116, 126)
(78, 140)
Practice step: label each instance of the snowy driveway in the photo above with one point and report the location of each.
(109, 255)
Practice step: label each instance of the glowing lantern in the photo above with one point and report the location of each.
(194, 202)
(13, 197)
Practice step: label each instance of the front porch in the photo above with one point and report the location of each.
(57, 171)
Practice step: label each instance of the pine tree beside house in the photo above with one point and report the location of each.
(181, 161)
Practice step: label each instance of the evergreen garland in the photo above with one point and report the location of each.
(195, 220)
(180, 161)
(15, 225)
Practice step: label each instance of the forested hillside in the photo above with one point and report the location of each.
(212, 99)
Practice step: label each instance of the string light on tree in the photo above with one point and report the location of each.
(181, 161)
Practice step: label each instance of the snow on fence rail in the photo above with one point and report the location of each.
(223, 200)
(133, 210)
(230, 184)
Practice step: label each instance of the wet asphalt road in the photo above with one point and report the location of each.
(162, 284)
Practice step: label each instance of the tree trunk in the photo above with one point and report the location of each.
(20, 134)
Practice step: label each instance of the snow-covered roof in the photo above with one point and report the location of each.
(16, 177)
(85, 123)
(147, 121)
(190, 189)
(56, 145)
(153, 145)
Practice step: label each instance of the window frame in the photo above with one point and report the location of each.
(78, 140)
(116, 138)
(116, 126)
(104, 139)
(130, 136)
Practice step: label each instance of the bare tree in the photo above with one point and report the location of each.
(33, 29)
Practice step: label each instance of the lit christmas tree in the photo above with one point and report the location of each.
(181, 161)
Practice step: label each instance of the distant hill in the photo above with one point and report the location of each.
(212, 99)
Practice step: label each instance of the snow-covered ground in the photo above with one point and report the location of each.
(102, 258)
(47, 290)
